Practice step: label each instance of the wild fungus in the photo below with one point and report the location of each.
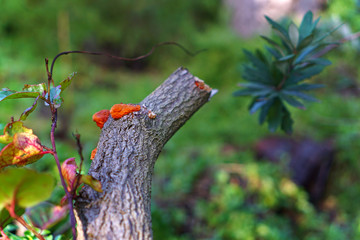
(201, 85)
(119, 110)
(151, 114)
(93, 153)
(101, 117)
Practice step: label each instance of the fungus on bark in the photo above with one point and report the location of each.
(101, 117)
(201, 84)
(128, 148)
(93, 153)
(119, 110)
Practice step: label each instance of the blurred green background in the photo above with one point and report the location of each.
(212, 180)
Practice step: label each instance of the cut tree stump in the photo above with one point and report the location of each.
(125, 158)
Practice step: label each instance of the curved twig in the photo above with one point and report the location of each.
(124, 58)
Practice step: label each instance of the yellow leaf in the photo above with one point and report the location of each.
(10, 130)
(24, 149)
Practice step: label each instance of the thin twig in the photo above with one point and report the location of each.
(68, 195)
(75, 183)
(124, 58)
(11, 210)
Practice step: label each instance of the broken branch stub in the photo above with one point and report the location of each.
(125, 158)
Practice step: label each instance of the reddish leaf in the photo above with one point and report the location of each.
(45, 215)
(24, 149)
(69, 171)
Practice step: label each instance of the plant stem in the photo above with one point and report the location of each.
(4, 234)
(11, 210)
(68, 195)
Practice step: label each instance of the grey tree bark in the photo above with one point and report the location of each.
(125, 158)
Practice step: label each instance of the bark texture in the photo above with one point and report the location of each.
(124, 162)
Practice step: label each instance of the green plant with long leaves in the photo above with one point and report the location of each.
(276, 78)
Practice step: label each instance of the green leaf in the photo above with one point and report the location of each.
(274, 52)
(55, 97)
(286, 58)
(264, 110)
(254, 89)
(91, 182)
(300, 75)
(301, 95)
(280, 29)
(10, 94)
(318, 40)
(29, 110)
(305, 42)
(5, 217)
(252, 92)
(320, 61)
(275, 44)
(260, 65)
(305, 52)
(26, 186)
(293, 34)
(292, 101)
(256, 86)
(306, 26)
(257, 104)
(65, 83)
(304, 87)
(40, 88)
(252, 74)
(287, 122)
(275, 115)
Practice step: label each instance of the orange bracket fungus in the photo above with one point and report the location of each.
(93, 153)
(119, 110)
(201, 85)
(101, 117)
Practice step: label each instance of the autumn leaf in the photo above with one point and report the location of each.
(10, 130)
(45, 215)
(24, 149)
(69, 171)
(23, 146)
(92, 182)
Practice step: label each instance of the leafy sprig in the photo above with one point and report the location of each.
(275, 77)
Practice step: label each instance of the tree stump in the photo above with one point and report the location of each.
(125, 158)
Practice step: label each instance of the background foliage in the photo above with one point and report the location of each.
(199, 186)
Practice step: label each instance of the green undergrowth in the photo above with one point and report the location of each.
(207, 183)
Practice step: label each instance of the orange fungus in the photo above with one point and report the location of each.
(201, 85)
(93, 154)
(101, 117)
(119, 110)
